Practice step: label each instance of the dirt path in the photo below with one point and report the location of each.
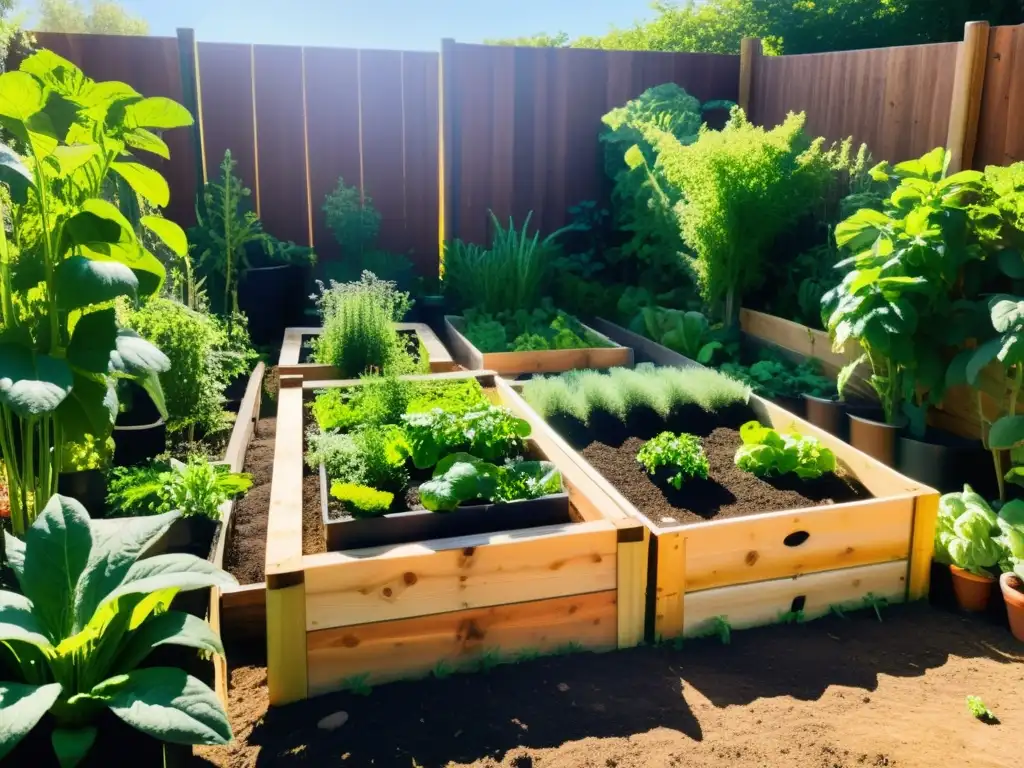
(829, 694)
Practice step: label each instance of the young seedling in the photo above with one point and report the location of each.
(791, 617)
(489, 659)
(716, 627)
(443, 670)
(876, 603)
(565, 650)
(978, 709)
(837, 610)
(527, 654)
(359, 685)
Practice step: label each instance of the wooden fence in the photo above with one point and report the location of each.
(522, 124)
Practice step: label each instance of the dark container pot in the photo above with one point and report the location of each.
(272, 298)
(88, 486)
(421, 525)
(795, 405)
(875, 438)
(946, 462)
(827, 413)
(136, 444)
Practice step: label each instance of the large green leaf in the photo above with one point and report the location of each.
(90, 409)
(57, 549)
(32, 384)
(168, 705)
(172, 235)
(1011, 263)
(169, 628)
(17, 622)
(117, 544)
(929, 167)
(147, 141)
(982, 356)
(136, 357)
(14, 174)
(147, 268)
(1007, 432)
(157, 112)
(956, 373)
(14, 548)
(94, 341)
(21, 707)
(81, 282)
(847, 371)
(55, 71)
(21, 96)
(68, 159)
(72, 744)
(147, 182)
(861, 229)
(186, 572)
(1007, 312)
(97, 222)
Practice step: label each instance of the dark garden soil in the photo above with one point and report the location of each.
(245, 553)
(834, 693)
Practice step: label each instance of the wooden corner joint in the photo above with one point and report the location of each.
(628, 531)
(286, 579)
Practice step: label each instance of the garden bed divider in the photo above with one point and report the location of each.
(397, 612)
(753, 567)
(291, 352)
(534, 361)
(237, 613)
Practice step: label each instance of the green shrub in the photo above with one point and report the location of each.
(739, 188)
(339, 454)
(512, 274)
(358, 328)
(361, 500)
(379, 400)
(682, 455)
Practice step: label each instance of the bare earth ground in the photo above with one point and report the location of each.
(835, 693)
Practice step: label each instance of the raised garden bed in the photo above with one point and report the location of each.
(292, 361)
(341, 619)
(534, 361)
(748, 551)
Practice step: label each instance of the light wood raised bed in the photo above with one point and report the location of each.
(534, 361)
(291, 351)
(742, 568)
(237, 613)
(397, 612)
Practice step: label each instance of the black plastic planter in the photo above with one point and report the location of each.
(421, 525)
(136, 444)
(88, 487)
(273, 299)
(946, 462)
(795, 405)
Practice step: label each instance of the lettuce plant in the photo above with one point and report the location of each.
(72, 253)
(970, 535)
(766, 452)
(687, 333)
(681, 454)
(88, 615)
(492, 434)
(463, 477)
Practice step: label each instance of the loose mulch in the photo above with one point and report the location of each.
(834, 693)
(728, 492)
(246, 550)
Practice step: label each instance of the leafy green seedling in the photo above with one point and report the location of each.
(443, 670)
(871, 600)
(978, 709)
(358, 684)
(791, 617)
(489, 659)
(682, 454)
(766, 452)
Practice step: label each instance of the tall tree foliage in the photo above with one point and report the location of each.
(102, 17)
(797, 26)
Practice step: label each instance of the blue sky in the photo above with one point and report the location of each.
(403, 24)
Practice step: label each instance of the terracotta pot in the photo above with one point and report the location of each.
(1013, 594)
(972, 591)
(875, 438)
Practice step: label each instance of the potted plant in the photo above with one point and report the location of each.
(1012, 585)
(248, 269)
(903, 301)
(76, 252)
(973, 541)
(81, 628)
(83, 474)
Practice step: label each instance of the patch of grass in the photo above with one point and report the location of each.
(719, 627)
(358, 684)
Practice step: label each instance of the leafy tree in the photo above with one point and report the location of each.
(103, 17)
(540, 40)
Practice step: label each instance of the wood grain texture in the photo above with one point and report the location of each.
(291, 351)
(740, 550)
(446, 575)
(1001, 122)
(968, 84)
(632, 589)
(926, 512)
(669, 585)
(527, 122)
(410, 648)
(286, 644)
(896, 100)
(284, 522)
(542, 361)
(764, 602)
(229, 120)
(243, 614)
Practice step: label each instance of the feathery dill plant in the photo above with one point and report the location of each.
(600, 394)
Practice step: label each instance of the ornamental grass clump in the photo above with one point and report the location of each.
(358, 334)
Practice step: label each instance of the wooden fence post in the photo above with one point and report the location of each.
(448, 136)
(965, 105)
(750, 50)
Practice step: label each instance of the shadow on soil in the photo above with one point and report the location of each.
(548, 702)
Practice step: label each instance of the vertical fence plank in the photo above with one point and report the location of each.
(420, 107)
(1002, 103)
(225, 88)
(474, 112)
(332, 117)
(380, 88)
(281, 142)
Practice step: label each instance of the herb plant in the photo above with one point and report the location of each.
(682, 455)
(358, 334)
(88, 614)
(768, 453)
(362, 500)
(194, 488)
(71, 253)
